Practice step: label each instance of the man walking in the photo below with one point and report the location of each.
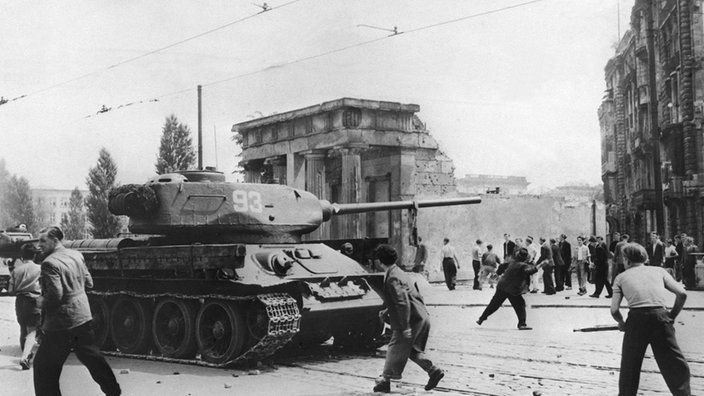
(582, 257)
(566, 253)
(656, 250)
(533, 252)
(618, 257)
(24, 284)
(450, 264)
(66, 318)
(421, 258)
(490, 261)
(600, 263)
(477, 263)
(509, 247)
(548, 264)
(559, 265)
(410, 324)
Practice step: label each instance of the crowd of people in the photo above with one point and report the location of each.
(589, 258)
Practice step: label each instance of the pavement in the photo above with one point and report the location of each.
(436, 294)
(491, 359)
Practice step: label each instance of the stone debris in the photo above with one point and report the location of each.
(537, 393)
(125, 371)
(254, 372)
(158, 382)
(228, 386)
(176, 373)
(235, 375)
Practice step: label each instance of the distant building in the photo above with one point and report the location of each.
(651, 123)
(492, 184)
(349, 151)
(577, 193)
(51, 204)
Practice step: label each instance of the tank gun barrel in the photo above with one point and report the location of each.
(334, 209)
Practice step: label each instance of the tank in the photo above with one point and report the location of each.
(217, 273)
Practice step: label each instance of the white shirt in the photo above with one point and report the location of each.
(448, 251)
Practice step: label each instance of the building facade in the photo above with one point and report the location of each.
(651, 123)
(349, 151)
(50, 205)
(492, 184)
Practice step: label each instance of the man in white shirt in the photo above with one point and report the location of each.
(450, 264)
(533, 250)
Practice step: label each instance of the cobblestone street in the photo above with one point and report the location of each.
(492, 359)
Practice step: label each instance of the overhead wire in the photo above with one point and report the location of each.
(329, 52)
(265, 8)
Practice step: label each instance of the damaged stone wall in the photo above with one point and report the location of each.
(435, 174)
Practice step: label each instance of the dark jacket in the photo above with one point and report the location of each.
(514, 280)
(509, 248)
(556, 255)
(566, 252)
(601, 256)
(546, 255)
(656, 257)
(402, 299)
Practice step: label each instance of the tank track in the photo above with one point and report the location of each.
(283, 315)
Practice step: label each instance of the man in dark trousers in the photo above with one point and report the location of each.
(509, 247)
(656, 250)
(600, 263)
(649, 323)
(559, 265)
(66, 319)
(548, 265)
(566, 253)
(409, 322)
(450, 264)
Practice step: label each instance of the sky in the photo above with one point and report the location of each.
(511, 92)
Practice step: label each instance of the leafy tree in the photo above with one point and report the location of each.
(100, 180)
(17, 202)
(176, 148)
(5, 221)
(73, 223)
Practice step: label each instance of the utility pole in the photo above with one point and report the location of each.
(200, 130)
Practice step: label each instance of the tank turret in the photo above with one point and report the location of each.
(199, 205)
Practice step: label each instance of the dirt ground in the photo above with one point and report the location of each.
(492, 359)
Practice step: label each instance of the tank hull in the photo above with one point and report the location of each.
(146, 298)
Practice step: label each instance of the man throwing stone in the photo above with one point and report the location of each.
(409, 322)
(66, 319)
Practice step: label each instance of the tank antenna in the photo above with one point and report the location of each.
(215, 140)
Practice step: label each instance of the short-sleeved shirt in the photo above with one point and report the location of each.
(476, 253)
(448, 251)
(583, 253)
(643, 286)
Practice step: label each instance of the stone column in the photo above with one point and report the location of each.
(352, 226)
(401, 221)
(278, 167)
(315, 184)
(295, 171)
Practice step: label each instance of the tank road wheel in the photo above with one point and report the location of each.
(221, 332)
(101, 321)
(173, 328)
(130, 325)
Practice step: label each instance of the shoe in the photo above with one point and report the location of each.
(383, 386)
(524, 327)
(534, 291)
(568, 288)
(435, 377)
(593, 296)
(24, 363)
(480, 321)
(581, 293)
(609, 295)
